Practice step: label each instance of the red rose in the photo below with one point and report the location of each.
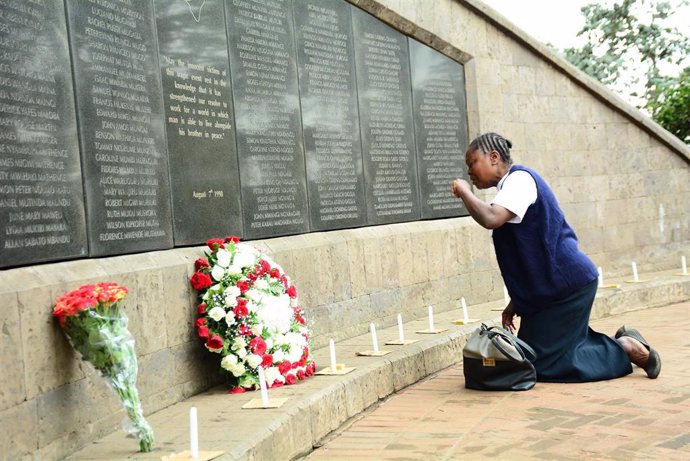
(203, 331)
(265, 266)
(277, 383)
(285, 281)
(257, 346)
(284, 367)
(275, 273)
(214, 342)
(232, 238)
(201, 321)
(267, 360)
(311, 368)
(201, 281)
(300, 374)
(290, 379)
(244, 330)
(237, 390)
(200, 263)
(243, 285)
(201, 308)
(300, 320)
(215, 244)
(292, 291)
(240, 311)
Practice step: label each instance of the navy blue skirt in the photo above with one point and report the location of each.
(568, 350)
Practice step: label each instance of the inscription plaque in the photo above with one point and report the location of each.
(41, 200)
(120, 114)
(198, 117)
(385, 110)
(329, 114)
(440, 109)
(268, 121)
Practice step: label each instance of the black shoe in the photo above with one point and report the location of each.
(653, 365)
(620, 331)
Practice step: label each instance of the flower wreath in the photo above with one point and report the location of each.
(250, 315)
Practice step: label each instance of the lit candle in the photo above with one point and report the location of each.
(374, 340)
(193, 434)
(431, 318)
(684, 265)
(506, 296)
(401, 332)
(634, 268)
(601, 277)
(331, 345)
(262, 386)
(465, 316)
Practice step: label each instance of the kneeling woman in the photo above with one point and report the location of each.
(551, 283)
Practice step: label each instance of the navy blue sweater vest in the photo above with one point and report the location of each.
(539, 258)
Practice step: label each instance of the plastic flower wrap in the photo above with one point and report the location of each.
(249, 314)
(97, 329)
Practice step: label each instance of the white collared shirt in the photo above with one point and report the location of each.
(516, 192)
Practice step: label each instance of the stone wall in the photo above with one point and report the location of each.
(611, 168)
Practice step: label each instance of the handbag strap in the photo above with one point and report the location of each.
(524, 349)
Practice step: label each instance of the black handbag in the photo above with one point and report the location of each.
(496, 360)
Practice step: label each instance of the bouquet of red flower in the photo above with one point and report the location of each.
(97, 329)
(250, 315)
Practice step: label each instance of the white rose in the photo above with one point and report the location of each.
(242, 353)
(232, 291)
(261, 284)
(216, 313)
(238, 344)
(223, 257)
(269, 343)
(253, 294)
(278, 356)
(217, 273)
(258, 329)
(228, 362)
(235, 269)
(252, 306)
(237, 370)
(245, 257)
(272, 374)
(230, 318)
(253, 360)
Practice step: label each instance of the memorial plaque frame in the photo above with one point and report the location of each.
(387, 126)
(121, 133)
(440, 109)
(41, 199)
(330, 121)
(199, 119)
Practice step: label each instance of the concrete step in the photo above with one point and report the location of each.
(319, 405)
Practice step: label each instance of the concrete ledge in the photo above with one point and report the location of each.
(321, 404)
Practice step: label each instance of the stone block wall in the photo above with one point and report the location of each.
(623, 182)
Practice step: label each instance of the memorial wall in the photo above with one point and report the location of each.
(129, 126)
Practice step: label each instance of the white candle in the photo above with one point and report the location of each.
(634, 268)
(601, 277)
(331, 345)
(401, 332)
(193, 434)
(374, 339)
(431, 318)
(684, 265)
(262, 386)
(465, 315)
(506, 296)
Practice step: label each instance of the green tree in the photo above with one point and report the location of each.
(629, 44)
(673, 107)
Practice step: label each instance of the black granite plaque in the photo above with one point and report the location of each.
(41, 204)
(267, 114)
(333, 151)
(440, 114)
(385, 110)
(121, 132)
(198, 115)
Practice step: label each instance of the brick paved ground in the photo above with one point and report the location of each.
(628, 418)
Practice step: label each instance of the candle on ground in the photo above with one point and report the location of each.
(374, 339)
(634, 269)
(431, 318)
(262, 387)
(465, 315)
(331, 345)
(401, 332)
(684, 265)
(193, 434)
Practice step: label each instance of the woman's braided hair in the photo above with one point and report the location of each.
(489, 142)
